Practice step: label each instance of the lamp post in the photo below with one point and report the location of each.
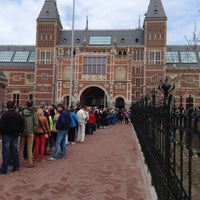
(54, 81)
(104, 100)
(104, 97)
(166, 88)
(153, 95)
(72, 57)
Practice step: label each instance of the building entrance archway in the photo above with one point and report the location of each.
(93, 96)
(119, 103)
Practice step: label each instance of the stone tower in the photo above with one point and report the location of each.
(48, 30)
(155, 23)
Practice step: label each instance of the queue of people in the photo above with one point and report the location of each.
(31, 133)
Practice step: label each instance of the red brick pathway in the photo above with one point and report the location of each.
(106, 167)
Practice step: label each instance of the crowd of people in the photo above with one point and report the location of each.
(30, 133)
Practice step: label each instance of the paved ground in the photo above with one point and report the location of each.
(106, 167)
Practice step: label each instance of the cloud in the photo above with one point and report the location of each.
(18, 17)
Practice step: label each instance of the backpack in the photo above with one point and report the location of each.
(68, 119)
(64, 121)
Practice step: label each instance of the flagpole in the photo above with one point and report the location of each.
(72, 56)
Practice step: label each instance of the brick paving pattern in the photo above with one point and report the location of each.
(107, 166)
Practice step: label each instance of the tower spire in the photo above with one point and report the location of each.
(49, 11)
(86, 28)
(139, 23)
(155, 10)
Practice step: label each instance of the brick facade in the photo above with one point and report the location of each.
(128, 64)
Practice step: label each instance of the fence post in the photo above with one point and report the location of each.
(166, 88)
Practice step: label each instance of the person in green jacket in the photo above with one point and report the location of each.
(30, 122)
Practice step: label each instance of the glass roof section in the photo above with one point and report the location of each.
(21, 56)
(172, 57)
(32, 57)
(100, 40)
(188, 57)
(6, 56)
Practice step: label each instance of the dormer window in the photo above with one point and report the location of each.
(136, 40)
(156, 11)
(77, 40)
(47, 12)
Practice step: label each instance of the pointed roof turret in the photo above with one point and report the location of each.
(86, 28)
(155, 10)
(49, 12)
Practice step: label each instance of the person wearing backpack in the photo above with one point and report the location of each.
(62, 127)
(11, 126)
(30, 118)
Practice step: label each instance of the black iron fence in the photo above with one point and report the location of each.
(170, 140)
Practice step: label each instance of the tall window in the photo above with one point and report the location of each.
(45, 57)
(154, 58)
(16, 97)
(137, 82)
(122, 54)
(137, 95)
(138, 55)
(94, 65)
(31, 97)
(137, 71)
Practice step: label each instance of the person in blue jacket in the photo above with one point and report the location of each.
(73, 126)
(62, 126)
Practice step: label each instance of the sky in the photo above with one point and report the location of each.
(18, 18)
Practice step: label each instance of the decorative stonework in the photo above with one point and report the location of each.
(120, 73)
(120, 86)
(17, 77)
(66, 85)
(92, 77)
(29, 78)
(190, 80)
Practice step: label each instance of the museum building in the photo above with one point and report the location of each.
(107, 68)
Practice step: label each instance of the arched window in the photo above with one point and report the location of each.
(120, 54)
(124, 54)
(16, 98)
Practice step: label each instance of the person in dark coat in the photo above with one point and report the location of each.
(11, 126)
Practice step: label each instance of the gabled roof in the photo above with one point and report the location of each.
(183, 56)
(17, 56)
(50, 12)
(155, 10)
(103, 37)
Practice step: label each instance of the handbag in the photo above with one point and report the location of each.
(45, 132)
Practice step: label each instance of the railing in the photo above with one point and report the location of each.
(170, 141)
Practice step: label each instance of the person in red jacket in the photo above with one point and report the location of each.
(91, 122)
